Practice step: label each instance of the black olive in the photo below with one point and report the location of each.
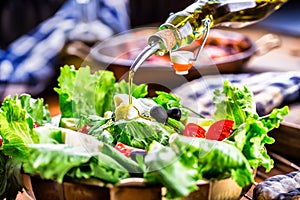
(174, 113)
(136, 152)
(159, 114)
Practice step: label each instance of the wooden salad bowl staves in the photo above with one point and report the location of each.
(287, 141)
(127, 189)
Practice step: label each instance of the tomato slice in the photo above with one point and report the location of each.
(220, 130)
(84, 129)
(194, 130)
(126, 150)
(35, 125)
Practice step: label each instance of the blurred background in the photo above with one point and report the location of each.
(18, 17)
(34, 40)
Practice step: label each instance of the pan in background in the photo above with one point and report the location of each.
(225, 52)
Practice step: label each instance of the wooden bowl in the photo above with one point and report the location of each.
(287, 141)
(127, 189)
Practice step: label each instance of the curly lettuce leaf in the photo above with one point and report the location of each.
(252, 136)
(83, 93)
(164, 167)
(213, 159)
(16, 128)
(56, 162)
(250, 130)
(36, 108)
(234, 103)
(195, 159)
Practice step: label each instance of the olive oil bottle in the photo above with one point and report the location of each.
(187, 25)
(193, 23)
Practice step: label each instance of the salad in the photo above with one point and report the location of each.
(99, 135)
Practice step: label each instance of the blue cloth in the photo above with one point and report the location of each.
(270, 90)
(28, 63)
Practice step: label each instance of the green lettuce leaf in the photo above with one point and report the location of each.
(234, 103)
(16, 129)
(49, 135)
(17, 117)
(169, 100)
(56, 162)
(36, 109)
(250, 130)
(164, 167)
(138, 91)
(252, 136)
(214, 160)
(138, 132)
(83, 93)
(191, 159)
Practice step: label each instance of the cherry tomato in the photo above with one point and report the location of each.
(125, 149)
(194, 130)
(0, 141)
(220, 130)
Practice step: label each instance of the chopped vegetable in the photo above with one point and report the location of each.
(129, 164)
(124, 149)
(129, 151)
(194, 130)
(138, 152)
(167, 100)
(250, 131)
(139, 133)
(220, 130)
